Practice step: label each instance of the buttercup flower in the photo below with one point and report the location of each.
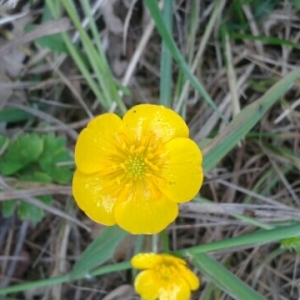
(134, 171)
(165, 277)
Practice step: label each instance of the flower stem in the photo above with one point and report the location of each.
(155, 239)
(165, 241)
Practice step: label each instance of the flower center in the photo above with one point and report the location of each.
(139, 159)
(166, 271)
(135, 166)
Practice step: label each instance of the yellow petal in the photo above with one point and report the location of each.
(191, 279)
(149, 260)
(166, 277)
(170, 259)
(92, 197)
(150, 286)
(162, 122)
(147, 285)
(140, 211)
(145, 260)
(94, 142)
(182, 172)
(178, 289)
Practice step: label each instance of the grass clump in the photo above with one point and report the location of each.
(229, 69)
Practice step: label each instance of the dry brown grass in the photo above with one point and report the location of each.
(257, 179)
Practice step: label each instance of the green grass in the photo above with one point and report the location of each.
(223, 29)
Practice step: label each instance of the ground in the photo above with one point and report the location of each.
(64, 62)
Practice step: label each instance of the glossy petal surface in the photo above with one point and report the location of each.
(94, 142)
(149, 260)
(191, 279)
(145, 260)
(162, 122)
(151, 287)
(92, 197)
(183, 172)
(146, 285)
(143, 211)
(177, 290)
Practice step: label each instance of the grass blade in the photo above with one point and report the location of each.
(169, 42)
(219, 4)
(244, 122)
(269, 40)
(224, 279)
(166, 59)
(259, 237)
(99, 251)
(117, 267)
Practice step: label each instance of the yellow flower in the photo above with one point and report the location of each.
(134, 172)
(165, 277)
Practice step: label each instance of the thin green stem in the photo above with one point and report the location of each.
(155, 239)
(165, 241)
(166, 58)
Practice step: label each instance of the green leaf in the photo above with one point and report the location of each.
(224, 279)
(36, 177)
(19, 153)
(53, 42)
(296, 4)
(8, 208)
(3, 141)
(10, 115)
(28, 211)
(291, 243)
(53, 156)
(262, 9)
(56, 43)
(99, 251)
